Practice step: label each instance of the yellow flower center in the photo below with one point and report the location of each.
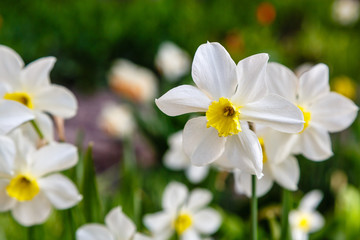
(261, 140)
(307, 117)
(23, 187)
(304, 223)
(182, 223)
(21, 97)
(224, 117)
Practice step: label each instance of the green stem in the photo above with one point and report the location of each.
(284, 215)
(253, 208)
(30, 234)
(37, 129)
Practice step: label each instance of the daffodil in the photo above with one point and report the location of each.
(176, 159)
(323, 111)
(305, 219)
(31, 85)
(29, 184)
(229, 95)
(118, 227)
(285, 172)
(184, 214)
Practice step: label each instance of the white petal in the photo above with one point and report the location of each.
(6, 202)
(24, 147)
(120, 224)
(93, 231)
(10, 66)
(275, 112)
(174, 196)
(32, 212)
(243, 183)
(315, 143)
(12, 115)
(298, 234)
(198, 199)
(60, 191)
(54, 157)
(175, 158)
(214, 71)
(207, 221)
(251, 79)
(203, 145)
(56, 100)
(314, 83)
(311, 200)
(158, 222)
(190, 234)
(183, 99)
(139, 236)
(244, 152)
(45, 124)
(281, 81)
(7, 155)
(36, 74)
(334, 112)
(196, 174)
(287, 173)
(317, 222)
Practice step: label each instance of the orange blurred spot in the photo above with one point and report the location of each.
(265, 13)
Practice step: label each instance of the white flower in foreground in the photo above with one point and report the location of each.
(172, 61)
(285, 172)
(117, 120)
(184, 214)
(29, 184)
(305, 219)
(346, 11)
(176, 159)
(323, 111)
(31, 85)
(133, 82)
(229, 94)
(118, 227)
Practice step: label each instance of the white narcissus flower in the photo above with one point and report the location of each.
(176, 159)
(118, 227)
(29, 184)
(346, 12)
(305, 219)
(172, 61)
(184, 214)
(31, 85)
(229, 94)
(285, 172)
(323, 111)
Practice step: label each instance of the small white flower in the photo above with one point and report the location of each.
(285, 172)
(184, 214)
(323, 111)
(29, 186)
(346, 11)
(31, 85)
(133, 82)
(305, 219)
(117, 227)
(176, 159)
(230, 95)
(117, 120)
(172, 61)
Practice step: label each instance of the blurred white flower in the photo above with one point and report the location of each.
(29, 186)
(31, 85)
(305, 219)
(133, 82)
(117, 227)
(323, 111)
(184, 214)
(172, 61)
(345, 12)
(117, 120)
(230, 95)
(285, 172)
(176, 159)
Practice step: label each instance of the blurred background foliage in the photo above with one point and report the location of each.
(87, 36)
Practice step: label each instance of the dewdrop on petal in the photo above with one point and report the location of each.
(132, 82)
